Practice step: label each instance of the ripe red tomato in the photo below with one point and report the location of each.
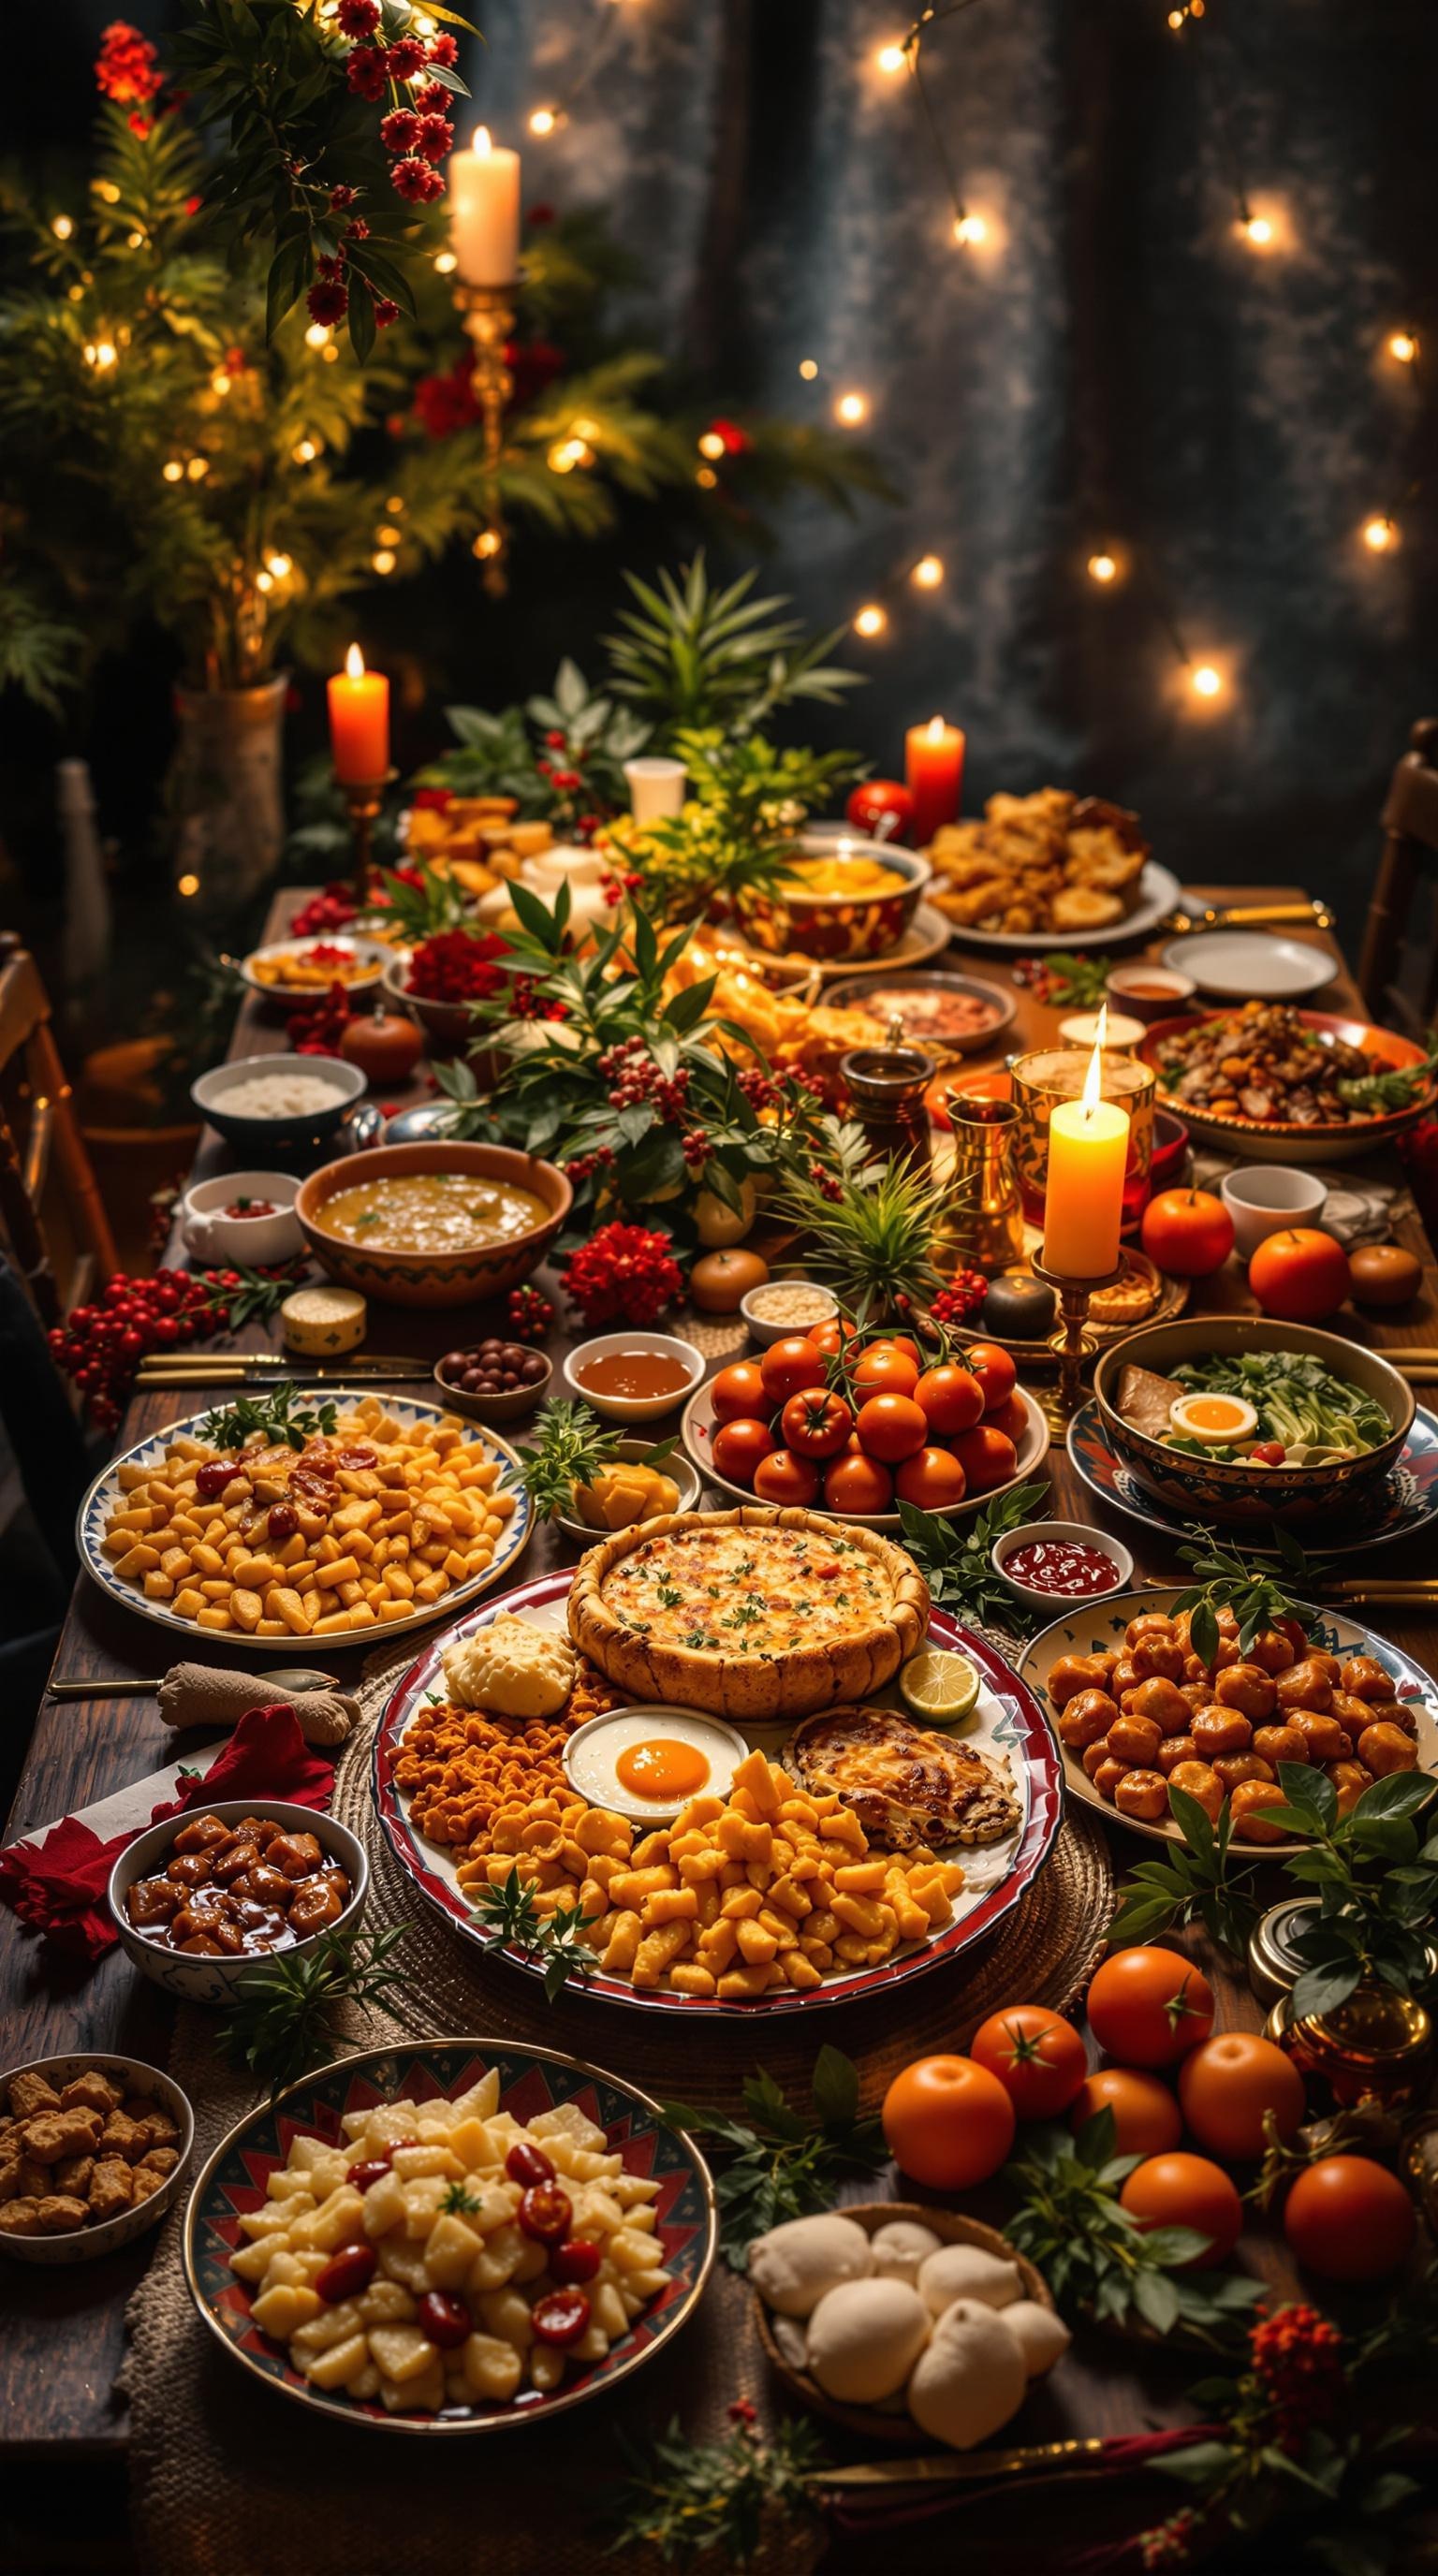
(1348, 2219)
(1149, 2006)
(1188, 1232)
(789, 1366)
(987, 1457)
(1187, 2191)
(737, 1393)
(831, 1337)
(877, 798)
(952, 1398)
(883, 1369)
(1011, 1417)
(906, 1343)
(932, 1480)
(816, 1423)
(1227, 2084)
(782, 1478)
(948, 2122)
(991, 1364)
(1300, 1275)
(853, 1483)
(1146, 2117)
(738, 1448)
(1037, 2056)
(890, 1427)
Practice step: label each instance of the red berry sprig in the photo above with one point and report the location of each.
(625, 1274)
(963, 1297)
(456, 966)
(100, 1347)
(531, 1316)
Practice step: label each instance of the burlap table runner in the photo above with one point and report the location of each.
(230, 2479)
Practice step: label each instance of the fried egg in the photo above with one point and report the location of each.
(1217, 1419)
(647, 1762)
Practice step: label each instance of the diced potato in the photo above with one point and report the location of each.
(386, 2303)
(402, 2352)
(403, 2261)
(384, 2205)
(282, 2309)
(331, 2326)
(450, 2250)
(338, 2221)
(492, 2367)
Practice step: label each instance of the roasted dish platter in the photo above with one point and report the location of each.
(1287, 1085)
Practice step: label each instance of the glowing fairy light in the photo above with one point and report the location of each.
(1380, 535)
(1102, 568)
(871, 619)
(890, 60)
(62, 226)
(544, 120)
(808, 369)
(1402, 345)
(970, 230)
(317, 336)
(851, 410)
(1205, 681)
(928, 572)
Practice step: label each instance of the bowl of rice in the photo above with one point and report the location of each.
(279, 1110)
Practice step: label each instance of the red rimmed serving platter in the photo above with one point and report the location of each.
(1008, 1723)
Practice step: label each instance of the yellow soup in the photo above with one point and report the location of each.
(856, 879)
(431, 1212)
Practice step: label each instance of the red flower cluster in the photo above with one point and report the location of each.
(456, 966)
(416, 181)
(526, 1002)
(531, 1316)
(318, 1028)
(127, 65)
(328, 301)
(101, 1346)
(332, 909)
(1298, 2364)
(623, 1275)
(357, 17)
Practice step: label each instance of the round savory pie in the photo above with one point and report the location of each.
(750, 1614)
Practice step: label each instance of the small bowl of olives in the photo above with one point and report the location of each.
(494, 1380)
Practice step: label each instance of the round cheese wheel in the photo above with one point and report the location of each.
(319, 1320)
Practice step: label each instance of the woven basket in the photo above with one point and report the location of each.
(874, 2423)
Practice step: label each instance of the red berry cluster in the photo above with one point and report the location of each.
(624, 1275)
(456, 966)
(101, 1346)
(526, 1002)
(582, 1167)
(632, 1075)
(531, 1316)
(616, 888)
(963, 1296)
(1169, 2544)
(1298, 2364)
(827, 1183)
(317, 1027)
(334, 908)
(127, 66)
(569, 780)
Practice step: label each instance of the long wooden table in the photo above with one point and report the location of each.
(63, 2337)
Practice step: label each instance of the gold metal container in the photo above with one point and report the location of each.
(1378, 2046)
(1049, 1075)
(984, 1225)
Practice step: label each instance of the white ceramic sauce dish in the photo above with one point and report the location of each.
(214, 1233)
(1267, 1198)
(634, 1408)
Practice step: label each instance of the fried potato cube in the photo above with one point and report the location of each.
(492, 2367)
(657, 1951)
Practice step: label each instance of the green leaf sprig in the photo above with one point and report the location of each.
(573, 1448)
(281, 2019)
(785, 2163)
(1192, 1883)
(1097, 2260)
(953, 1558)
(1377, 1884)
(1257, 1595)
(273, 1415)
(688, 2500)
(554, 1941)
(259, 1296)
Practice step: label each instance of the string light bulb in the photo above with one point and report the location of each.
(928, 572)
(1257, 230)
(264, 581)
(173, 471)
(544, 120)
(1402, 345)
(808, 369)
(970, 230)
(278, 567)
(445, 262)
(706, 478)
(1102, 568)
(1205, 681)
(851, 410)
(187, 885)
(219, 382)
(890, 60)
(62, 226)
(871, 619)
(102, 354)
(384, 561)
(317, 336)
(487, 544)
(1380, 535)
(711, 445)
(198, 468)
(304, 451)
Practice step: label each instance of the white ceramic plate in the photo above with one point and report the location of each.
(676, 1466)
(697, 1433)
(1158, 892)
(105, 1493)
(1249, 965)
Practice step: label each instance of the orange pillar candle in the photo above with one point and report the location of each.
(934, 769)
(359, 723)
(1083, 1205)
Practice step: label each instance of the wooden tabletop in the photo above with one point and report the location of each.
(65, 2335)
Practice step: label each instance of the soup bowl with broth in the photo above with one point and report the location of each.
(434, 1224)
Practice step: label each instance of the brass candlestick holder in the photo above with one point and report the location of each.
(365, 801)
(488, 313)
(1073, 1344)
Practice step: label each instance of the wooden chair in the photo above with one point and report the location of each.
(1398, 969)
(38, 1130)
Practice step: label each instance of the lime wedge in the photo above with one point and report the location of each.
(939, 1685)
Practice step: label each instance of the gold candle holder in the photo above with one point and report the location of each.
(488, 313)
(365, 801)
(1073, 1344)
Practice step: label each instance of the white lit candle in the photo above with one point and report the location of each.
(484, 212)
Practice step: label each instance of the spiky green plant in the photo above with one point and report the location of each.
(697, 656)
(869, 1228)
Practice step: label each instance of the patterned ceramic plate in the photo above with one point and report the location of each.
(698, 1425)
(531, 2080)
(1404, 1500)
(1099, 1625)
(1008, 1723)
(105, 1493)
(1158, 892)
(1283, 1140)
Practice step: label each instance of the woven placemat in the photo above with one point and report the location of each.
(229, 2477)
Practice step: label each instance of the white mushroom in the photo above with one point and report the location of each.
(900, 2248)
(1042, 2337)
(793, 2266)
(864, 2338)
(967, 2272)
(969, 2379)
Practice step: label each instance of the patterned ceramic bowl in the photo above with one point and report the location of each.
(197, 1979)
(866, 922)
(434, 1278)
(82, 2244)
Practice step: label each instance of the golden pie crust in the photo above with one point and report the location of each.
(752, 1614)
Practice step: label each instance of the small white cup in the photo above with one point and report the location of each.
(656, 786)
(1264, 1198)
(257, 1241)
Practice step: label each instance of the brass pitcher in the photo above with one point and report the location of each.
(984, 1220)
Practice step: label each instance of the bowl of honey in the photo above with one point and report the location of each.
(633, 1376)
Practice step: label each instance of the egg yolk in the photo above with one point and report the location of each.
(662, 1767)
(1213, 1413)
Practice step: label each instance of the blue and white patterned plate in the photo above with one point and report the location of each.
(105, 1493)
(1404, 1500)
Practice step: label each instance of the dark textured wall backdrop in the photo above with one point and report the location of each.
(1115, 364)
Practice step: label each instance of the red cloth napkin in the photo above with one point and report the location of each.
(57, 1886)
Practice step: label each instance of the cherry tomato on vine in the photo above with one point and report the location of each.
(987, 1457)
(883, 1369)
(951, 1398)
(932, 1480)
(816, 1423)
(789, 1366)
(1037, 2056)
(780, 1477)
(991, 1364)
(831, 1337)
(1149, 2006)
(854, 1483)
(890, 1427)
(738, 1448)
(737, 1393)
(1187, 2191)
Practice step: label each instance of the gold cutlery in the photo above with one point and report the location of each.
(127, 1686)
(946, 2468)
(1312, 915)
(257, 1368)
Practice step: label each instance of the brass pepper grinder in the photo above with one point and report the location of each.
(886, 1087)
(984, 1227)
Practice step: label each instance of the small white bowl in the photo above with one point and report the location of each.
(82, 2244)
(198, 1979)
(1266, 1198)
(257, 1241)
(764, 1331)
(1078, 1534)
(635, 1408)
(630, 1724)
(310, 1132)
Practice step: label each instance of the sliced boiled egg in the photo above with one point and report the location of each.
(646, 1762)
(1216, 1419)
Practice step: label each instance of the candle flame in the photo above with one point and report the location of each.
(481, 143)
(354, 663)
(936, 728)
(1093, 1079)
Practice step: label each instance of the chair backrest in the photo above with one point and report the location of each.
(1398, 969)
(47, 1184)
